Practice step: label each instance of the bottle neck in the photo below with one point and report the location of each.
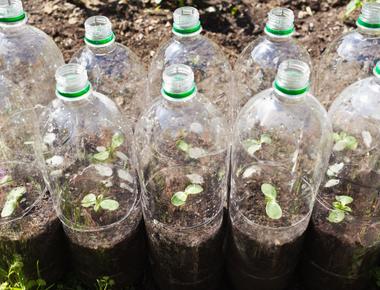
(102, 49)
(368, 32)
(279, 39)
(187, 35)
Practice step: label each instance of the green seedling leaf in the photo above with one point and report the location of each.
(193, 189)
(269, 191)
(12, 200)
(332, 182)
(102, 156)
(195, 178)
(117, 140)
(335, 169)
(179, 198)
(352, 6)
(109, 204)
(183, 146)
(6, 180)
(273, 210)
(265, 139)
(89, 200)
(351, 142)
(252, 146)
(344, 141)
(344, 199)
(336, 216)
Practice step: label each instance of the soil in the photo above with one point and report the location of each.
(37, 237)
(346, 252)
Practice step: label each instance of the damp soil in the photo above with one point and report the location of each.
(38, 239)
(341, 256)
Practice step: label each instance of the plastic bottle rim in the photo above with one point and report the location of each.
(179, 96)
(376, 70)
(291, 92)
(360, 22)
(101, 42)
(74, 95)
(18, 18)
(279, 33)
(187, 31)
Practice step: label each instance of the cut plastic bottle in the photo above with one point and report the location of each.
(183, 150)
(188, 46)
(343, 245)
(256, 67)
(113, 69)
(91, 165)
(28, 57)
(351, 57)
(281, 143)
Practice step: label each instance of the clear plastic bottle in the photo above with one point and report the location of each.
(344, 244)
(183, 144)
(90, 158)
(188, 46)
(351, 57)
(28, 57)
(281, 144)
(29, 227)
(256, 67)
(113, 69)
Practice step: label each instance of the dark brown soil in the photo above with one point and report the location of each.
(142, 26)
(37, 238)
(340, 256)
(123, 262)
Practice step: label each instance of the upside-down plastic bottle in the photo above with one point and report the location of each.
(281, 144)
(113, 69)
(188, 46)
(28, 57)
(351, 57)
(256, 67)
(183, 146)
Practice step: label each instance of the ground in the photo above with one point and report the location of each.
(142, 24)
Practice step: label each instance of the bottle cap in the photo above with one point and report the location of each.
(72, 82)
(186, 21)
(98, 31)
(178, 82)
(280, 22)
(11, 11)
(292, 78)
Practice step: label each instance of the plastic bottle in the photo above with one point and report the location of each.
(351, 57)
(28, 57)
(30, 232)
(281, 143)
(188, 46)
(113, 69)
(183, 145)
(256, 67)
(343, 245)
(90, 158)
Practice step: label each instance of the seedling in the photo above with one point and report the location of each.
(354, 5)
(106, 153)
(180, 197)
(12, 201)
(273, 209)
(99, 202)
(333, 172)
(192, 152)
(343, 141)
(253, 145)
(340, 208)
(104, 283)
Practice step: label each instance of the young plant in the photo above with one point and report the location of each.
(253, 145)
(332, 172)
(14, 278)
(340, 208)
(343, 141)
(180, 197)
(106, 153)
(354, 5)
(192, 152)
(273, 209)
(104, 283)
(99, 202)
(12, 201)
